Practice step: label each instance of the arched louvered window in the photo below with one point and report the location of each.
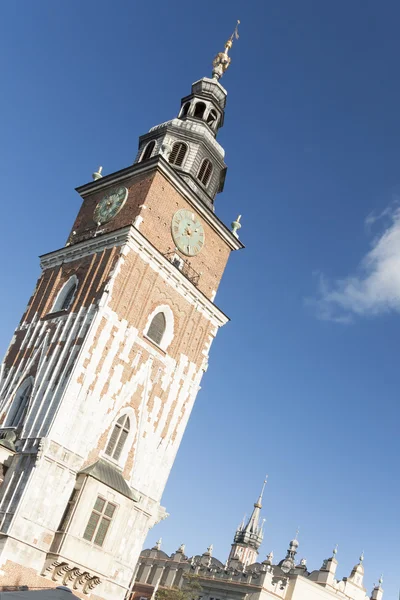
(66, 295)
(118, 437)
(157, 328)
(199, 110)
(178, 154)
(69, 296)
(148, 151)
(205, 171)
(20, 403)
(212, 118)
(185, 109)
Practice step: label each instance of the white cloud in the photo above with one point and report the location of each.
(375, 288)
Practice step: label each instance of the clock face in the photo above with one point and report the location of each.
(187, 232)
(110, 205)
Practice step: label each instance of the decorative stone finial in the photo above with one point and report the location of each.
(270, 558)
(222, 61)
(380, 581)
(210, 550)
(236, 225)
(157, 545)
(335, 550)
(97, 174)
(303, 562)
(362, 557)
(181, 549)
(9, 440)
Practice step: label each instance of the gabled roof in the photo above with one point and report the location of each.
(110, 476)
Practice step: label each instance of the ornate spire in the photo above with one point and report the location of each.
(248, 537)
(222, 61)
(253, 529)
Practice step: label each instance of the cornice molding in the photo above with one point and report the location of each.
(136, 241)
(84, 248)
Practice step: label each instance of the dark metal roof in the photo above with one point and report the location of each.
(110, 476)
(49, 594)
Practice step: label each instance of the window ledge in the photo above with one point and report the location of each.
(154, 344)
(55, 314)
(111, 460)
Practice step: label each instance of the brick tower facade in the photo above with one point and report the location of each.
(103, 370)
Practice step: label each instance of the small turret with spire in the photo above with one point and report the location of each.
(288, 563)
(188, 142)
(377, 592)
(248, 537)
(326, 574)
(356, 580)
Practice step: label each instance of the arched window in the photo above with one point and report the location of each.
(66, 295)
(185, 109)
(205, 171)
(118, 437)
(212, 118)
(20, 403)
(148, 151)
(178, 154)
(199, 110)
(157, 328)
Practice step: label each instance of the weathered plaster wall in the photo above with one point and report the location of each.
(91, 365)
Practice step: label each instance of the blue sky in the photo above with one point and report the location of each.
(303, 382)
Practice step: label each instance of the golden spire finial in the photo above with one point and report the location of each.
(222, 61)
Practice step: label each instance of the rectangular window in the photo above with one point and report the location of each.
(177, 262)
(99, 521)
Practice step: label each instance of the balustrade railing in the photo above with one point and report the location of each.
(184, 267)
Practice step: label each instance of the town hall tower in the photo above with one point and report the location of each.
(103, 370)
